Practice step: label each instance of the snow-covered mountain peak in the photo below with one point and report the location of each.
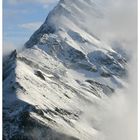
(62, 71)
(69, 16)
(76, 11)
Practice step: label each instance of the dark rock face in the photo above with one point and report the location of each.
(76, 36)
(109, 63)
(13, 54)
(27, 128)
(9, 64)
(106, 89)
(87, 67)
(35, 38)
(105, 74)
(39, 74)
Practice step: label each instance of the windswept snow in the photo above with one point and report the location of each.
(54, 88)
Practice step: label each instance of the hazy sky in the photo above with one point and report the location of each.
(21, 18)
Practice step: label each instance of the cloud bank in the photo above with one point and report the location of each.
(31, 26)
(119, 22)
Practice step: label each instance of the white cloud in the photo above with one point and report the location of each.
(119, 21)
(31, 26)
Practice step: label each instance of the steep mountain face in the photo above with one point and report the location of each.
(53, 88)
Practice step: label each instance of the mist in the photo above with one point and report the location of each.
(8, 48)
(116, 117)
(114, 21)
(120, 120)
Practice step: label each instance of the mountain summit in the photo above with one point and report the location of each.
(67, 16)
(55, 86)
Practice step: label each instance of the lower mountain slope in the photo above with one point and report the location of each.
(47, 94)
(58, 86)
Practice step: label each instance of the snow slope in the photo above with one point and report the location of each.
(62, 72)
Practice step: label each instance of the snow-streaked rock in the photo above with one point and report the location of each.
(62, 70)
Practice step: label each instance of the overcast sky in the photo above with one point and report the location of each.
(21, 18)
